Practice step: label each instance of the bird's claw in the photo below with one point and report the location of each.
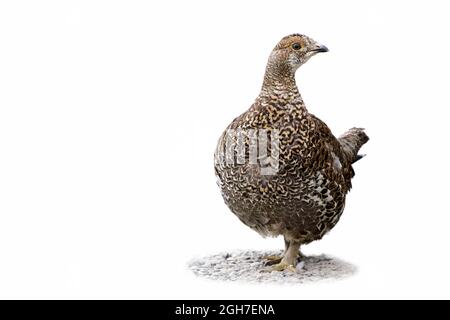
(281, 267)
(272, 257)
(271, 260)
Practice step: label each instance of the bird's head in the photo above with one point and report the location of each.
(294, 50)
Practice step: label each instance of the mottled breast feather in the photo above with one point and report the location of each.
(306, 197)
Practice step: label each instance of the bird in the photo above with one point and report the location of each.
(279, 168)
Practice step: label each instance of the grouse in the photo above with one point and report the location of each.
(280, 169)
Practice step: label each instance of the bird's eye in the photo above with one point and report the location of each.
(296, 46)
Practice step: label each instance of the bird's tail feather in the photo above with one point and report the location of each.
(351, 142)
(359, 157)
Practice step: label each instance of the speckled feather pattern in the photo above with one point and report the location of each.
(306, 197)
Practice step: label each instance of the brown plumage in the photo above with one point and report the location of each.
(304, 196)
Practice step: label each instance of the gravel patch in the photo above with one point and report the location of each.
(248, 266)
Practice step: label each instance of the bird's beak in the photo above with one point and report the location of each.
(320, 48)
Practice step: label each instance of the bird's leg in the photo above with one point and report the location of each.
(292, 253)
(277, 259)
(289, 260)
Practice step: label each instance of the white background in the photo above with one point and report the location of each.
(109, 116)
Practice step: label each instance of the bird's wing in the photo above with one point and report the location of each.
(330, 154)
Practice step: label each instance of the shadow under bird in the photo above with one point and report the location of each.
(280, 169)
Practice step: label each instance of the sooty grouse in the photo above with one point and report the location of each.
(280, 169)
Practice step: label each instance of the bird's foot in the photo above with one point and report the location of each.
(274, 259)
(271, 260)
(280, 267)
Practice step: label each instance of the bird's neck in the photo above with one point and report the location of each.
(279, 83)
(274, 84)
